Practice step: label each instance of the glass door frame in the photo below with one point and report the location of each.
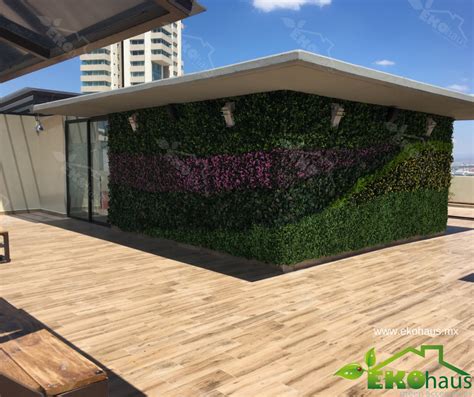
(90, 192)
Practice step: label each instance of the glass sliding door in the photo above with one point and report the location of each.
(77, 170)
(99, 134)
(87, 169)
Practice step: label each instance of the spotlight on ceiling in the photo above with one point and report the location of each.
(430, 125)
(133, 120)
(38, 127)
(337, 113)
(227, 112)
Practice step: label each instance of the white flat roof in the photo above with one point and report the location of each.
(295, 70)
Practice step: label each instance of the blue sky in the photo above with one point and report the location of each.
(425, 40)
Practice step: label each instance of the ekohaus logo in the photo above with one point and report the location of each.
(379, 378)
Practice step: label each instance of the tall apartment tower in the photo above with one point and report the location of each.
(153, 55)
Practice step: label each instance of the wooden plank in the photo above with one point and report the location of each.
(12, 370)
(52, 364)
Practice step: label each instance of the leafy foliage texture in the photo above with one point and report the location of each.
(282, 185)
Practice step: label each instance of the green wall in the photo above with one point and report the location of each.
(282, 185)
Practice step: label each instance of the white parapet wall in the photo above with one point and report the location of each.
(32, 165)
(462, 190)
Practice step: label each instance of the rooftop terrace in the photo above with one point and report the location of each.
(171, 320)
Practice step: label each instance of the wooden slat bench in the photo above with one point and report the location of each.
(39, 364)
(5, 244)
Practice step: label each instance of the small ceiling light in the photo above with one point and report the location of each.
(337, 113)
(430, 125)
(38, 127)
(227, 112)
(133, 120)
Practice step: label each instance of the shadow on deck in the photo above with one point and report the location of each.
(15, 323)
(241, 268)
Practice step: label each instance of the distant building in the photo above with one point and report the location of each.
(462, 170)
(154, 55)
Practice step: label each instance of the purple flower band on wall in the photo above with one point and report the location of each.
(278, 168)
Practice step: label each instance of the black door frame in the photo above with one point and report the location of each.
(90, 192)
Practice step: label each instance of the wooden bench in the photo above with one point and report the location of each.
(5, 244)
(39, 365)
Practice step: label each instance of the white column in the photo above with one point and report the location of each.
(126, 63)
(148, 75)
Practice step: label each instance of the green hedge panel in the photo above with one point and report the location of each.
(401, 195)
(387, 218)
(280, 119)
(418, 166)
(134, 209)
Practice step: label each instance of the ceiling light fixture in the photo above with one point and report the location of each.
(337, 113)
(133, 120)
(430, 125)
(227, 112)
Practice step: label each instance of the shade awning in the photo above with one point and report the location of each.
(296, 70)
(23, 101)
(38, 33)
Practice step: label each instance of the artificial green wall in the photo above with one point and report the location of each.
(282, 185)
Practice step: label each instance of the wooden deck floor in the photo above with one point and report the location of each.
(174, 321)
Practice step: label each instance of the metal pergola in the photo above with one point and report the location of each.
(38, 33)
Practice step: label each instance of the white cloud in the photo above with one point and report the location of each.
(271, 5)
(384, 62)
(459, 87)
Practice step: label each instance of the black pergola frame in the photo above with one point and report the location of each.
(42, 51)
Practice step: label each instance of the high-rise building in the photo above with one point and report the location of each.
(153, 55)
